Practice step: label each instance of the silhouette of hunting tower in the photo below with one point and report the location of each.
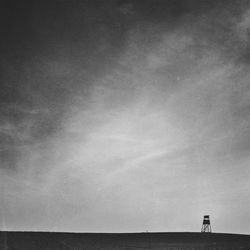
(206, 226)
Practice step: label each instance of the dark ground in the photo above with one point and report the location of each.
(94, 241)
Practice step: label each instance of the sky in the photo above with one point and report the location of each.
(124, 115)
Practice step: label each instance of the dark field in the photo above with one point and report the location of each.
(94, 241)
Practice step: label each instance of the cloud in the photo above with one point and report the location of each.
(110, 134)
(243, 26)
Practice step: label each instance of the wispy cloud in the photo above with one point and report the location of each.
(120, 132)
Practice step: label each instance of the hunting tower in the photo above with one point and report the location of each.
(206, 226)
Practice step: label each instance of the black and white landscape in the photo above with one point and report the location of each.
(124, 116)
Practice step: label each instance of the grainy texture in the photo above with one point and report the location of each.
(98, 241)
(124, 115)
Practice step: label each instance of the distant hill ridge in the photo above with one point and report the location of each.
(124, 241)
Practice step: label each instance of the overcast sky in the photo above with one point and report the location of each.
(124, 116)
